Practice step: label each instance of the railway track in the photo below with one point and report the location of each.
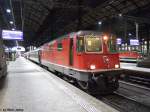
(134, 92)
(139, 80)
(129, 98)
(123, 104)
(137, 77)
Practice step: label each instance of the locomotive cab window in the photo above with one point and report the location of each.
(59, 46)
(80, 44)
(112, 44)
(93, 44)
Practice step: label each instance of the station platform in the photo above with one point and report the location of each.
(133, 67)
(30, 88)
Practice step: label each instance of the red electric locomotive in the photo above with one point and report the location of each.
(88, 57)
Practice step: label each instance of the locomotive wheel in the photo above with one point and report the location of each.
(89, 87)
(68, 79)
(84, 85)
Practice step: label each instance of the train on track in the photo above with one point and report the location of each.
(3, 65)
(87, 57)
(129, 56)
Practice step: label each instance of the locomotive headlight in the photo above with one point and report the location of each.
(92, 67)
(116, 66)
(105, 38)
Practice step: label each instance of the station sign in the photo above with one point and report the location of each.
(119, 41)
(15, 49)
(12, 35)
(134, 42)
(18, 49)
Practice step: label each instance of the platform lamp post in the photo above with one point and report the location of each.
(148, 42)
(137, 30)
(147, 38)
(125, 33)
(137, 37)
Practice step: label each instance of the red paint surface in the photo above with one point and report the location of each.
(80, 60)
(129, 54)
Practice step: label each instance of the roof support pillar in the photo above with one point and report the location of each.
(79, 24)
(137, 30)
(125, 30)
(148, 38)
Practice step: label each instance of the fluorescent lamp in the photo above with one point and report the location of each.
(99, 22)
(11, 22)
(120, 15)
(8, 10)
(129, 34)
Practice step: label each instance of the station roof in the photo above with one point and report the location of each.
(44, 17)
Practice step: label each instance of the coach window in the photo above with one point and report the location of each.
(80, 44)
(59, 46)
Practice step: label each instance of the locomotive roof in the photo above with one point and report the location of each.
(79, 33)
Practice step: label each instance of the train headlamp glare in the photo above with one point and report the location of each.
(92, 67)
(105, 38)
(116, 66)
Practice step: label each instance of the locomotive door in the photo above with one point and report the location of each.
(71, 52)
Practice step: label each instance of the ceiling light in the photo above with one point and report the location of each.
(99, 22)
(8, 10)
(129, 34)
(120, 15)
(11, 22)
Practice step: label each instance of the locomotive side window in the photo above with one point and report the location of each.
(112, 44)
(80, 44)
(93, 44)
(59, 46)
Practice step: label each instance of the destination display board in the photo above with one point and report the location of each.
(12, 35)
(119, 41)
(134, 42)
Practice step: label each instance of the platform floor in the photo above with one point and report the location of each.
(132, 66)
(30, 88)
